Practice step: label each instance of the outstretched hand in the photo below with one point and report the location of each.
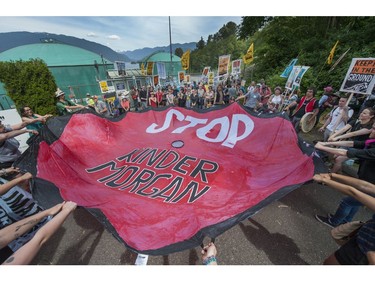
(321, 177)
(209, 250)
(55, 209)
(69, 206)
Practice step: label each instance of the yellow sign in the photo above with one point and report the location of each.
(185, 60)
(181, 76)
(331, 53)
(210, 78)
(150, 67)
(103, 86)
(249, 56)
(156, 80)
(224, 64)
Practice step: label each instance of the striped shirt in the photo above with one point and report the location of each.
(366, 236)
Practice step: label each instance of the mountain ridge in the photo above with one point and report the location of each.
(14, 39)
(11, 40)
(139, 54)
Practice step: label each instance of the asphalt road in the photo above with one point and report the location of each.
(283, 233)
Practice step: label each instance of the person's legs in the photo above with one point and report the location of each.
(345, 212)
(295, 122)
(327, 134)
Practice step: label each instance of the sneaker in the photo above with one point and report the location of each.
(324, 220)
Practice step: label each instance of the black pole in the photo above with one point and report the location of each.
(170, 46)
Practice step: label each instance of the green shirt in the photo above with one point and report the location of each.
(61, 110)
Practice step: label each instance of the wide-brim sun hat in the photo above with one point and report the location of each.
(59, 93)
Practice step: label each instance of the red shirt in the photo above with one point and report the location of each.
(159, 96)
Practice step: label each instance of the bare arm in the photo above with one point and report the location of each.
(361, 185)
(209, 253)
(326, 124)
(74, 106)
(315, 113)
(293, 103)
(240, 97)
(27, 252)
(337, 143)
(360, 132)
(26, 121)
(19, 126)
(11, 134)
(371, 257)
(362, 197)
(19, 228)
(4, 188)
(339, 132)
(344, 117)
(324, 146)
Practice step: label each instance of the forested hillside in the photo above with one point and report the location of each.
(277, 40)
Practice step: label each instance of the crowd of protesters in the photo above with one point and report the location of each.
(348, 132)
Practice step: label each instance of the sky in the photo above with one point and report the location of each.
(129, 25)
(124, 33)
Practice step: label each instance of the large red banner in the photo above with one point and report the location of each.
(161, 177)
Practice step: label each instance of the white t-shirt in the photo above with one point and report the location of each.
(276, 99)
(335, 114)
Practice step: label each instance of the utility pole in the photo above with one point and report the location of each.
(170, 48)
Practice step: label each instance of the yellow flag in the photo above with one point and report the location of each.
(185, 60)
(143, 69)
(249, 56)
(330, 57)
(150, 67)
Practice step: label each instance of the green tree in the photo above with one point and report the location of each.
(29, 83)
(201, 44)
(179, 52)
(250, 25)
(277, 40)
(227, 30)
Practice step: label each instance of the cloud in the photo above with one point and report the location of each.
(114, 37)
(91, 34)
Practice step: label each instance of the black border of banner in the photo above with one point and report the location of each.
(47, 194)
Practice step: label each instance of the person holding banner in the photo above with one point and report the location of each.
(253, 99)
(337, 119)
(251, 87)
(27, 252)
(360, 249)
(305, 105)
(365, 152)
(63, 106)
(209, 253)
(359, 131)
